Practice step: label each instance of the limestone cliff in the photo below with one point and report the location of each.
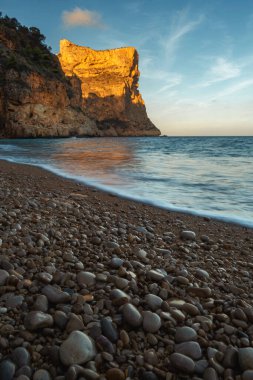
(81, 92)
(36, 99)
(109, 82)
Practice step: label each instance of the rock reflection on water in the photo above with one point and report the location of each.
(95, 158)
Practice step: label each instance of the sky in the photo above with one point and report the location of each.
(196, 56)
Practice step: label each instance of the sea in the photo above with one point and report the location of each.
(207, 176)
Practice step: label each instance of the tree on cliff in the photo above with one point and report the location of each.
(28, 47)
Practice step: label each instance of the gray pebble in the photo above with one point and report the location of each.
(191, 349)
(182, 363)
(7, 370)
(131, 315)
(185, 334)
(41, 374)
(37, 320)
(20, 357)
(151, 322)
(78, 348)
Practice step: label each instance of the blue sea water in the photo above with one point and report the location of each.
(211, 176)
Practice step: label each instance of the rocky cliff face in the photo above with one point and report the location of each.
(109, 82)
(84, 92)
(34, 107)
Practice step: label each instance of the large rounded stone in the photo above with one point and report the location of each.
(182, 363)
(109, 330)
(210, 374)
(20, 357)
(156, 274)
(3, 276)
(151, 322)
(188, 235)
(202, 274)
(37, 320)
(115, 374)
(55, 295)
(246, 358)
(41, 374)
(131, 315)
(191, 349)
(185, 334)
(119, 297)
(86, 278)
(153, 301)
(78, 348)
(247, 375)
(116, 262)
(7, 370)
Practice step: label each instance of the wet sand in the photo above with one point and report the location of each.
(152, 300)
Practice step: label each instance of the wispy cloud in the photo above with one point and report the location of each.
(181, 26)
(236, 88)
(133, 7)
(222, 70)
(82, 17)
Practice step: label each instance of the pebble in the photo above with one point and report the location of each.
(109, 330)
(37, 319)
(60, 319)
(210, 374)
(151, 322)
(45, 277)
(7, 370)
(3, 276)
(148, 375)
(202, 274)
(20, 357)
(115, 374)
(41, 303)
(131, 315)
(86, 278)
(55, 295)
(22, 377)
(185, 334)
(119, 297)
(156, 275)
(201, 366)
(116, 262)
(42, 374)
(75, 322)
(188, 235)
(246, 358)
(230, 359)
(14, 301)
(190, 309)
(153, 301)
(200, 292)
(247, 375)
(182, 363)
(191, 349)
(78, 348)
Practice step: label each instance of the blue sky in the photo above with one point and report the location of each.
(196, 57)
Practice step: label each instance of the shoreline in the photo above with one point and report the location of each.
(153, 301)
(231, 220)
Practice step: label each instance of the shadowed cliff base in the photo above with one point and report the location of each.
(41, 96)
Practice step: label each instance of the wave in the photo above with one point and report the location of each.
(125, 195)
(10, 148)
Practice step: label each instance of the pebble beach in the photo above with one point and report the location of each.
(95, 287)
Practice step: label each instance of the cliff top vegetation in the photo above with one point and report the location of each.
(23, 48)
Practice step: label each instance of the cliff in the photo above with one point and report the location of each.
(109, 83)
(81, 92)
(36, 99)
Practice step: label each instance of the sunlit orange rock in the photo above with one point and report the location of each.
(81, 92)
(109, 84)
